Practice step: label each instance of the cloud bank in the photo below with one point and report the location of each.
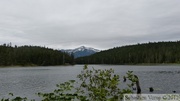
(101, 24)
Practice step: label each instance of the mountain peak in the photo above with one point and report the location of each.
(81, 51)
(82, 47)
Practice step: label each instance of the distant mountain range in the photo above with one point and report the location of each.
(81, 51)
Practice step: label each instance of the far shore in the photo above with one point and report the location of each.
(141, 64)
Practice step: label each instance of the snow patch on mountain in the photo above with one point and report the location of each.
(81, 51)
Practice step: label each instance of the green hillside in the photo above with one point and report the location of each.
(156, 52)
(32, 55)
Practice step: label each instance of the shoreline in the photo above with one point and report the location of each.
(14, 66)
(142, 64)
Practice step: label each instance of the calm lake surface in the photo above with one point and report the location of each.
(26, 81)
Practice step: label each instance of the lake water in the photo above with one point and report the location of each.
(26, 81)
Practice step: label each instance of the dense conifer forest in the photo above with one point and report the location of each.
(32, 55)
(152, 52)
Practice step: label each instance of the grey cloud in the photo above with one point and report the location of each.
(98, 23)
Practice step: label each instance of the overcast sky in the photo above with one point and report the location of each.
(102, 24)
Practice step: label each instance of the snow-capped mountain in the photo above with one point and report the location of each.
(81, 51)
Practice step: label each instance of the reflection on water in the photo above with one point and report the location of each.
(30, 80)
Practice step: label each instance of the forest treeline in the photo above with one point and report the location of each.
(152, 52)
(32, 55)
